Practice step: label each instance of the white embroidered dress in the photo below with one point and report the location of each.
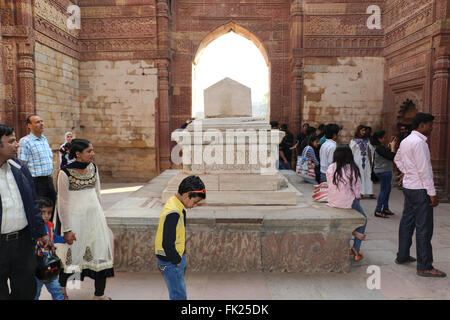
(362, 153)
(80, 210)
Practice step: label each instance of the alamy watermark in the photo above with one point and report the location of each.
(374, 280)
(73, 22)
(229, 147)
(374, 20)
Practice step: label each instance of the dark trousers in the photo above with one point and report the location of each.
(45, 188)
(417, 214)
(18, 264)
(99, 283)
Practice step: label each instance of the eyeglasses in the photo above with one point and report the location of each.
(198, 191)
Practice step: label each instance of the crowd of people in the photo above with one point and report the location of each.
(350, 170)
(30, 204)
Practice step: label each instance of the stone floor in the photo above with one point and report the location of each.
(397, 282)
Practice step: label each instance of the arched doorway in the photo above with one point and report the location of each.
(234, 52)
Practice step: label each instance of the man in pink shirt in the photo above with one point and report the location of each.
(413, 160)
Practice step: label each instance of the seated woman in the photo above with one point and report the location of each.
(310, 154)
(344, 185)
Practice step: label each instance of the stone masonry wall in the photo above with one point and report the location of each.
(347, 91)
(57, 95)
(118, 117)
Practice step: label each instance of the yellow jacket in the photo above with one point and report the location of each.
(171, 234)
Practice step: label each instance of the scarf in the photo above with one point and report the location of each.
(77, 165)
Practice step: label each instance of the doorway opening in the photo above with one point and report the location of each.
(234, 55)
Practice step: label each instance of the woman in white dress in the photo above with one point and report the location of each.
(89, 250)
(362, 151)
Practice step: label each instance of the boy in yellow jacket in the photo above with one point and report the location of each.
(171, 235)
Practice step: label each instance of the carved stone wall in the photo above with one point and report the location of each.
(340, 29)
(193, 22)
(415, 31)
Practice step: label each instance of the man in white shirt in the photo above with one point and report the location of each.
(327, 149)
(21, 222)
(413, 160)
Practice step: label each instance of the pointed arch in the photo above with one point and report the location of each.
(224, 29)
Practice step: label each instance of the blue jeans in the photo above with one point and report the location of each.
(53, 287)
(323, 177)
(385, 190)
(362, 229)
(174, 276)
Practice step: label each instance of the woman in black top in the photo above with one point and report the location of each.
(383, 158)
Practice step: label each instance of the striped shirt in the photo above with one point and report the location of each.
(309, 153)
(37, 154)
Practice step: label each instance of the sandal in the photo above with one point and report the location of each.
(357, 254)
(387, 212)
(433, 273)
(372, 196)
(380, 215)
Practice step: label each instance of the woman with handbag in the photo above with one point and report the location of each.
(383, 159)
(344, 183)
(309, 154)
(90, 250)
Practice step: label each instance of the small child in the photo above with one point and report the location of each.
(46, 206)
(171, 235)
(344, 185)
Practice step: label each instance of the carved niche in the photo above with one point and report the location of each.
(406, 112)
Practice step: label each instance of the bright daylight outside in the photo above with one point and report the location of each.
(235, 57)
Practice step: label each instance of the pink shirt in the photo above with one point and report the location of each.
(343, 196)
(413, 159)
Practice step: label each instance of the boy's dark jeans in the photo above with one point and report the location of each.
(417, 214)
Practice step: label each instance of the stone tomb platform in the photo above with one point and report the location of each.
(306, 237)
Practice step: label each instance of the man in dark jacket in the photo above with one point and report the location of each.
(21, 222)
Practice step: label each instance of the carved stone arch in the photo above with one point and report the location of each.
(224, 29)
(217, 33)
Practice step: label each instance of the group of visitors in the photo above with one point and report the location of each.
(28, 205)
(349, 170)
(29, 199)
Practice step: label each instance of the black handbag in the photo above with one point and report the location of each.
(374, 177)
(48, 265)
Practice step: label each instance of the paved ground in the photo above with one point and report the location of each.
(397, 282)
